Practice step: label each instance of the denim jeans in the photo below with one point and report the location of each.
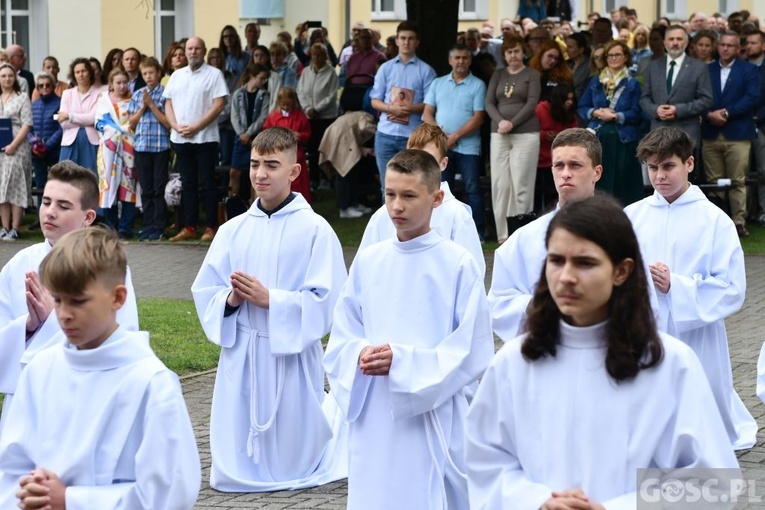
(196, 163)
(387, 146)
(469, 165)
(124, 224)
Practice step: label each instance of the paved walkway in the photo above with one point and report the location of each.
(161, 270)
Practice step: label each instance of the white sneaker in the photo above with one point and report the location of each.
(3, 233)
(12, 235)
(362, 208)
(350, 213)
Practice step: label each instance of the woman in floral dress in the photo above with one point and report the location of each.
(15, 158)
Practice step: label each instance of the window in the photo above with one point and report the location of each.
(674, 9)
(610, 5)
(18, 20)
(173, 20)
(15, 22)
(383, 10)
(474, 9)
(726, 7)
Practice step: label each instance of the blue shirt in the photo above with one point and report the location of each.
(150, 134)
(416, 76)
(455, 104)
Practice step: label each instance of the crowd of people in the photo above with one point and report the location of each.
(516, 89)
(612, 317)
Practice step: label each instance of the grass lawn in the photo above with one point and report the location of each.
(176, 335)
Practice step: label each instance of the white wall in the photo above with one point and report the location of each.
(74, 30)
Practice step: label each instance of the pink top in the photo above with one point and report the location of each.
(82, 114)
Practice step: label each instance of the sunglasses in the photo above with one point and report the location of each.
(44, 86)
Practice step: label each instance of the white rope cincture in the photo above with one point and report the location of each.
(432, 422)
(253, 445)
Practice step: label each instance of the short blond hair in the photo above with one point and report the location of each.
(81, 257)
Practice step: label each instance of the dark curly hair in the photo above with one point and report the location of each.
(633, 342)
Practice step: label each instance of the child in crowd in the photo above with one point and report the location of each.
(146, 111)
(265, 294)
(410, 331)
(289, 115)
(249, 109)
(69, 203)
(115, 159)
(697, 267)
(566, 414)
(451, 219)
(122, 437)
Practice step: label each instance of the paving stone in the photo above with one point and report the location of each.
(163, 270)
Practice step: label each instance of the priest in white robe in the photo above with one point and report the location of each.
(268, 430)
(110, 422)
(425, 298)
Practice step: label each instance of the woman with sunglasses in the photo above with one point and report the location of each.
(46, 131)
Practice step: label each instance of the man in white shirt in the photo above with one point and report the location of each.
(195, 95)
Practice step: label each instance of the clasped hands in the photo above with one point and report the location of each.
(247, 288)
(41, 489)
(573, 499)
(376, 360)
(605, 115)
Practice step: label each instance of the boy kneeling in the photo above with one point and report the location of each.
(97, 421)
(411, 330)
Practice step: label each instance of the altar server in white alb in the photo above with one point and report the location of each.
(566, 414)
(265, 294)
(452, 219)
(411, 330)
(576, 155)
(98, 421)
(27, 321)
(697, 266)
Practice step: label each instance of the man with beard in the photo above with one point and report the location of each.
(195, 96)
(667, 103)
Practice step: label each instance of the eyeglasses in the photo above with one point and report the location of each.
(615, 55)
(44, 85)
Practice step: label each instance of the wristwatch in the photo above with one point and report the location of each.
(724, 114)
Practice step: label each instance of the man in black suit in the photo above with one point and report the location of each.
(18, 60)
